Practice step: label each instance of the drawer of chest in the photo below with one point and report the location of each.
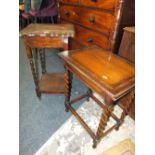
(70, 1)
(104, 4)
(74, 44)
(89, 38)
(97, 20)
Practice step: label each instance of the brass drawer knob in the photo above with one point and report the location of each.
(91, 19)
(90, 40)
(67, 13)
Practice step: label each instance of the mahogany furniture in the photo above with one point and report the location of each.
(40, 36)
(109, 75)
(127, 47)
(127, 51)
(97, 22)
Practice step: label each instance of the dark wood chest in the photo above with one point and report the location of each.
(97, 22)
(127, 46)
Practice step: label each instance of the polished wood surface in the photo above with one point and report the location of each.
(110, 73)
(52, 83)
(85, 16)
(74, 44)
(103, 19)
(106, 4)
(46, 42)
(48, 30)
(127, 47)
(88, 38)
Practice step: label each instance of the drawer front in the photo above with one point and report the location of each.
(104, 4)
(97, 20)
(70, 1)
(89, 38)
(73, 44)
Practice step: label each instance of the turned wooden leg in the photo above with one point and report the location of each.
(30, 57)
(35, 78)
(68, 81)
(35, 55)
(89, 92)
(102, 124)
(42, 60)
(127, 100)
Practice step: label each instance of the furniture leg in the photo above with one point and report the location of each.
(42, 60)
(68, 82)
(35, 53)
(112, 89)
(35, 78)
(89, 93)
(102, 124)
(30, 57)
(127, 100)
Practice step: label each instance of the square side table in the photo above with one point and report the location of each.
(109, 75)
(40, 36)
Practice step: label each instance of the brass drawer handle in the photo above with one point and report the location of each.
(91, 19)
(67, 13)
(90, 40)
(94, 0)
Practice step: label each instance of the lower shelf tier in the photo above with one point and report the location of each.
(52, 83)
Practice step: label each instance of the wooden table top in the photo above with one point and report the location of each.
(105, 71)
(48, 30)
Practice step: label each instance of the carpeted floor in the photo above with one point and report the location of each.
(39, 119)
(46, 129)
(72, 139)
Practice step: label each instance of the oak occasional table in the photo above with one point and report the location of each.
(37, 37)
(109, 75)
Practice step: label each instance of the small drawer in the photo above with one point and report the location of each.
(104, 4)
(89, 38)
(97, 20)
(70, 1)
(94, 19)
(68, 13)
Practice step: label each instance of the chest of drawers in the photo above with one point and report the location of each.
(97, 22)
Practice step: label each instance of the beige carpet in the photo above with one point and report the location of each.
(125, 147)
(72, 139)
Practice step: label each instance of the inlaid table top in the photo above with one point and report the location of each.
(48, 30)
(104, 71)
